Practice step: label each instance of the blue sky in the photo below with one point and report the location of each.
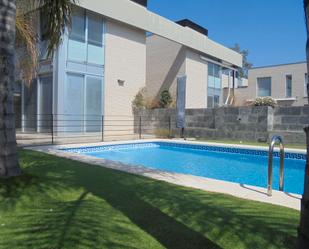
(272, 30)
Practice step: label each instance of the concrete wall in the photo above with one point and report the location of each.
(197, 80)
(125, 59)
(278, 75)
(234, 123)
(165, 61)
(241, 96)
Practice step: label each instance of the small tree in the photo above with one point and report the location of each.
(246, 65)
(165, 99)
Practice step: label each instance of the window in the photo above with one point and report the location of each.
(95, 39)
(93, 103)
(77, 40)
(45, 101)
(86, 38)
(264, 87)
(83, 103)
(288, 86)
(29, 103)
(214, 85)
(78, 31)
(43, 37)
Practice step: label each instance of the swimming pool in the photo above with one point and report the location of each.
(239, 165)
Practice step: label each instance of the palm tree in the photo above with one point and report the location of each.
(17, 17)
(303, 231)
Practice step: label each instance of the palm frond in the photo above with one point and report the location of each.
(306, 6)
(57, 14)
(26, 43)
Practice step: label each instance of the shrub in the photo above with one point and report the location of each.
(265, 101)
(139, 100)
(165, 99)
(162, 133)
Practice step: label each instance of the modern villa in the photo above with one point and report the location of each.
(139, 132)
(101, 65)
(285, 83)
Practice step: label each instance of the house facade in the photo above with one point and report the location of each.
(100, 66)
(208, 78)
(285, 83)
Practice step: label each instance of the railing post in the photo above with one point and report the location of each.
(102, 128)
(270, 169)
(52, 128)
(140, 127)
(270, 164)
(282, 156)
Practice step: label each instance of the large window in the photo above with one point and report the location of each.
(86, 38)
(264, 87)
(83, 103)
(288, 86)
(214, 85)
(45, 103)
(77, 39)
(95, 39)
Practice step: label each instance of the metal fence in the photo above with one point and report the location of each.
(68, 128)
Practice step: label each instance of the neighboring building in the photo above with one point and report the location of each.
(206, 75)
(101, 65)
(285, 83)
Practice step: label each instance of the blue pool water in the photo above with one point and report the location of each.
(244, 166)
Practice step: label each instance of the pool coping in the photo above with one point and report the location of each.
(207, 184)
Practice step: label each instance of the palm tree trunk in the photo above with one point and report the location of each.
(8, 149)
(303, 230)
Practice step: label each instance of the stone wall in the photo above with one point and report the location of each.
(232, 123)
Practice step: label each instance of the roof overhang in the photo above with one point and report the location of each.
(140, 17)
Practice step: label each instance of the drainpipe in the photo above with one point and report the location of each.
(229, 92)
(233, 94)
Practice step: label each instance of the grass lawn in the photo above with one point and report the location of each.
(291, 146)
(59, 203)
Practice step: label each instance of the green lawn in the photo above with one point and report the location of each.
(59, 203)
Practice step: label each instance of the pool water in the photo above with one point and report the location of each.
(244, 167)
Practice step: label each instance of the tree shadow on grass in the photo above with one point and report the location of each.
(108, 202)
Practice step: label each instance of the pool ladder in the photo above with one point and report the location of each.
(274, 140)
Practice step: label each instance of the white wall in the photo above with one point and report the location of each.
(125, 59)
(197, 77)
(165, 61)
(138, 16)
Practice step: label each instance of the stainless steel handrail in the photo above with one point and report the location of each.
(270, 164)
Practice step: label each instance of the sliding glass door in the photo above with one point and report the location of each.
(45, 109)
(83, 103)
(74, 104)
(93, 104)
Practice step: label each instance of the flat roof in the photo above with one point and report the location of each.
(193, 25)
(279, 65)
(141, 2)
(138, 16)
